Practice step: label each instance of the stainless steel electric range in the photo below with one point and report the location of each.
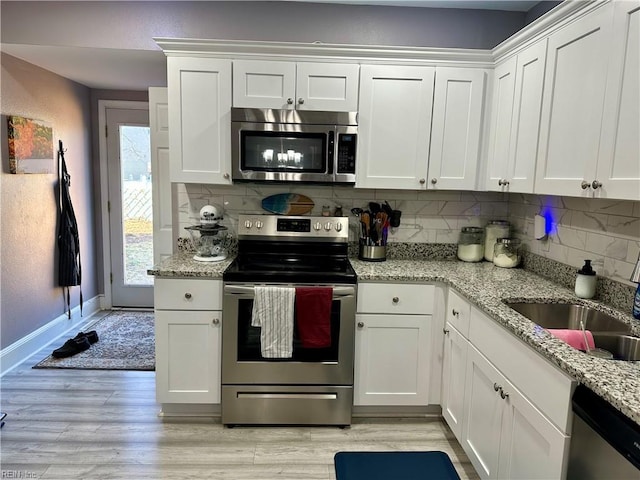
(312, 383)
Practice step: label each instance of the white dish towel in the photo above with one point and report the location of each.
(273, 313)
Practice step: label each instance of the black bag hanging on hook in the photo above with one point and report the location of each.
(69, 266)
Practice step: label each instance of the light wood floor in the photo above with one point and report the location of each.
(87, 424)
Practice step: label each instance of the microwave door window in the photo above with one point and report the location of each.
(284, 151)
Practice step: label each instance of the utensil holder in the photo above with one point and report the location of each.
(372, 253)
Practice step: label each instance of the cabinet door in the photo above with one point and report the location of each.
(504, 85)
(530, 446)
(578, 60)
(199, 119)
(264, 84)
(188, 356)
(394, 125)
(327, 86)
(483, 413)
(453, 379)
(456, 128)
(392, 355)
(525, 126)
(618, 164)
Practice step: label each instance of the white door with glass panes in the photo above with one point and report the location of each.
(394, 126)
(130, 206)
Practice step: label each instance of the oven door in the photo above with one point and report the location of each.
(243, 364)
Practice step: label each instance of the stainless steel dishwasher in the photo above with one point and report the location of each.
(605, 444)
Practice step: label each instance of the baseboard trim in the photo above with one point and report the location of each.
(18, 352)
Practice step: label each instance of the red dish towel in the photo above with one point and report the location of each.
(575, 338)
(313, 316)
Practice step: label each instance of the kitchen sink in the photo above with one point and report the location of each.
(623, 347)
(568, 315)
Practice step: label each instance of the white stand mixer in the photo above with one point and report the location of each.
(209, 246)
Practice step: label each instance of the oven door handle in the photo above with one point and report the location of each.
(241, 289)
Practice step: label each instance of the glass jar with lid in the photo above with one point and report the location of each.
(494, 230)
(471, 244)
(506, 253)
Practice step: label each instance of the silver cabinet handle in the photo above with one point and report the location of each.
(360, 324)
(496, 387)
(585, 184)
(445, 331)
(290, 101)
(434, 181)
(455, 313)
(226, 176)
(422, 181)
(596, 184)
(504, 395)
(216, 321)
(187, 296)
(395, 299)
(301, 101)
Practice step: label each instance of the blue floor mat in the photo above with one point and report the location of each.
(394, 466)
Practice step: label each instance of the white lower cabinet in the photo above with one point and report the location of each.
(393, 344)
(453, 378)
(507, 406)
(188, 322)
(504, 435)
(188, 352)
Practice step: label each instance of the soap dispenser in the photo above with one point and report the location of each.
(586, 281)
(635, 277)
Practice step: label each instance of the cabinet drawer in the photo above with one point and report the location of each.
(187, 294)
(395, 298)
(458, 313)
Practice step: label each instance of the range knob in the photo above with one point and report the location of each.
(317, 226)
(338, 227)
(259, 224)
(327, 226)
(248, 224)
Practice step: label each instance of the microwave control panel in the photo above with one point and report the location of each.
(346, 154)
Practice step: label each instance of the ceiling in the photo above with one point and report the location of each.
(100, 68)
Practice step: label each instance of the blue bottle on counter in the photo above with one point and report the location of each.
(635, 278)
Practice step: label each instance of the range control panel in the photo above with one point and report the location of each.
(334, 229)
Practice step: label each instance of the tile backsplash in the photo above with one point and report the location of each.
(605, 231)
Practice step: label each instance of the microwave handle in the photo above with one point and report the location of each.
(241, 289)
(331, 152)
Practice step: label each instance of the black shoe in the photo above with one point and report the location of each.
(92, 336)
(71, 347)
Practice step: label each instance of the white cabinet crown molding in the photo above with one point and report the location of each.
(324, 52)
(542, 26)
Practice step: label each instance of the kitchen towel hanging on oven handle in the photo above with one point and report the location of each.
(69, 265)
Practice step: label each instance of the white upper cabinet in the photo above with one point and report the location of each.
(291, 85)
(199, 93)
(394, 125)
(456, 128)
(618, 167)
(515, 122)
(575, 79)
(404, 110)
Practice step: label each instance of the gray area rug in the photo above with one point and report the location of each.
(126, 342)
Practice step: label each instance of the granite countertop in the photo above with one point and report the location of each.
(487, 287)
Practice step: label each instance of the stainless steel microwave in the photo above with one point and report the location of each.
(293, 145)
